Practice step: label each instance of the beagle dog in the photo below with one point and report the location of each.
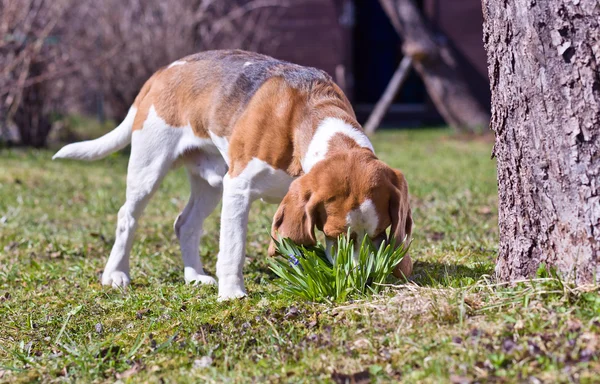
(247, 126)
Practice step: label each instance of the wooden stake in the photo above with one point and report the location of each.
(388, 96)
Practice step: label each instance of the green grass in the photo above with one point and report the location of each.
(452, 323)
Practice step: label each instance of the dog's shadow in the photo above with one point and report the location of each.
(436, 274)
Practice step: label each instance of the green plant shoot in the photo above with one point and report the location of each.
(307, 272)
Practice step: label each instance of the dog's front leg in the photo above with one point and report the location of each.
(237, 198)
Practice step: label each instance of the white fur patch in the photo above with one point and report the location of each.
(209, 166)
(363, 220)
(262, 181)
(247, 63)
(174, 141)
(222, 145)
(189, 141)
(176, 63)
(157, 136)
(319, 144)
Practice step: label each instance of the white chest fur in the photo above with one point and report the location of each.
(319, 144)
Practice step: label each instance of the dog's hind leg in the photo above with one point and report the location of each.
(149, 162)
(188, 226)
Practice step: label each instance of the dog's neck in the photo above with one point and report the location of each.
(333, 134)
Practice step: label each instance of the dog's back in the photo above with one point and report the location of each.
(210, 90)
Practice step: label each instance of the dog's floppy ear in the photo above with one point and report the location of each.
(296, 217)
(401, 218)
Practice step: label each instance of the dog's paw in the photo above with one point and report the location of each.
(116, 279)
(197, 278)
(231, 294)
(231, 289)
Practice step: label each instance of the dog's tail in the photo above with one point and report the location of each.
(103, 146)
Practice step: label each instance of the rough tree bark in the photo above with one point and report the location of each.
(436, 65)
(544, 67)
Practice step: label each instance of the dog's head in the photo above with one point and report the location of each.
(347, 190)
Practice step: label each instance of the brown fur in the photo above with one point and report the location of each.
(267, 127)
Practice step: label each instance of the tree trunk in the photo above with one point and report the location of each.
(32, 116)
(544, 67)
(436, 65)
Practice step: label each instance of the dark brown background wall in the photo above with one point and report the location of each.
(310, 34)
(462, 22)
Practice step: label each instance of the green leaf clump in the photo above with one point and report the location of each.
(307, 272)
